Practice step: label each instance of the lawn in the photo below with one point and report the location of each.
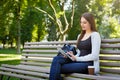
(9, 56)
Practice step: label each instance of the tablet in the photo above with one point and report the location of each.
(64, 53)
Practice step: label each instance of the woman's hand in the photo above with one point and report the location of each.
(72, 55)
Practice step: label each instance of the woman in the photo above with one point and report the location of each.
(88, 44)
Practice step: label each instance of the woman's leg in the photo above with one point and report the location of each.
(75, 67)
(56, 67)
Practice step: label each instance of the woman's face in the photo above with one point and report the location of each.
(85, 24)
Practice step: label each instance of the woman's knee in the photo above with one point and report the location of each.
(59, 59)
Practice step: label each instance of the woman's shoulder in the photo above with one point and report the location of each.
(95, 34)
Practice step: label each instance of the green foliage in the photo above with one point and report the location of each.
(52, 33)
(80, 8)
(116, 7)
(59, 14)
(35, 25)
(27, 25)
(105, 13)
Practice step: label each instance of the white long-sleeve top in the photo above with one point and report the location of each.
(94, 56)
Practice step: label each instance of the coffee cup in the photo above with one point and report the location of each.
(91, 70)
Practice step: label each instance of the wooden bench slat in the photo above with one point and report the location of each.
(37, 46)
(110, 45)
(36, 59)
(49, 43)
(38, 74)
(113, 52)
(117, 58)
(29, 68)
(36, 64)
(56, 46)
(55, 51)
(112, 64)
(110, 70)
(21, 76)
(36, 51)
(98, 77)
(109, 74)
(39, 55)
(111, 40)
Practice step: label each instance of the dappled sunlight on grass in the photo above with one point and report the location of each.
(9, 56)
(4, 57)
(10, 61)
(13, 62)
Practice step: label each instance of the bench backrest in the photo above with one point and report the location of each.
(41, 54)
(110, 56)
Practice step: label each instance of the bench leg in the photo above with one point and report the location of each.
(8, 78)
(1, 77)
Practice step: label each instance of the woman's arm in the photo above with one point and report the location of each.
(96, 42)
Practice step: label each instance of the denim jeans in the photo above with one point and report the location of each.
(61, 65)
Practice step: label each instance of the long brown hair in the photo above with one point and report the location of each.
(90, 18)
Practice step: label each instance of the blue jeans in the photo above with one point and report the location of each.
(61, 65)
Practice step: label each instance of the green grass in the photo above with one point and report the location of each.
(11, 78)
(9, 56)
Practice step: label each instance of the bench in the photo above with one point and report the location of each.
(37, 57)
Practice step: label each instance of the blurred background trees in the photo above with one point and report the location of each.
(52, 20)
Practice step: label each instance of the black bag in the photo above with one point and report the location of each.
(67, 48)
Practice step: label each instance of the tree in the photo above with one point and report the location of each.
(40, 22)
(6, 20)
(62, 29)
(18, 26)
(105, 12)
(33, 27)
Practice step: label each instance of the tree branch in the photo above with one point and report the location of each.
(45, 13)
(66, 21)
(71, 21)
(57, 19)
(72, 16)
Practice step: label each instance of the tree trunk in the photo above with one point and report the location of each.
(18, 41)
(19, 26)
